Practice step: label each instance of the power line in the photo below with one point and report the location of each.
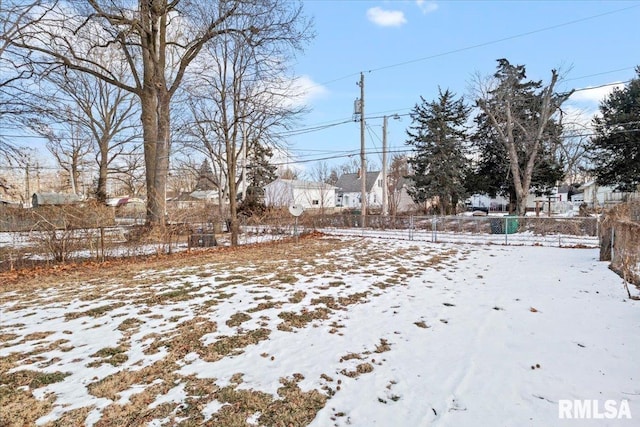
(488, 43)
(337, 122)
(603, 85)
(599, 74)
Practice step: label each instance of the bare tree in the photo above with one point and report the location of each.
(128, 173)
(288, 173)
(200, 134)
(398, 170)
(321, 174)
(571, 152)
(521, 114)
(102, 113)
(158, 40)
(183, 175)
(14, 14)
(68, 143)
(350, 166)
(247, 96)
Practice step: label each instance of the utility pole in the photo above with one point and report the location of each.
(363, 160)
(384, 166)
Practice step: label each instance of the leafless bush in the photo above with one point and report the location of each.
(60, 231)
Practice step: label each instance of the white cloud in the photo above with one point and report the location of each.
(386, 18)
(427, 6)
(595, 94)
(305, 90)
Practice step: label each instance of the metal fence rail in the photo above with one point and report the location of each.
(507, 230)
(69, 244)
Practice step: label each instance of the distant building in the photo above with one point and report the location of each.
(53, 199)
(209, 196)
(399, 199)
(308, 194)
(185, 201)
(349, 190)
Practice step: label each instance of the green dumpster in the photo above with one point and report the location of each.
(505, 225)
(511, 223)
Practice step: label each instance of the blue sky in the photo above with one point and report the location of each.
(407, 49)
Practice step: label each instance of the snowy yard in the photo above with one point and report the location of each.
(343, 331)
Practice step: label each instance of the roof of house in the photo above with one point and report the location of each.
(185, 197)
(39, 199)
(205, 194)
(351, 183)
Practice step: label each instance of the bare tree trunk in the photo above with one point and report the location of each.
(150, 136)
(233, 204)
(103, 164)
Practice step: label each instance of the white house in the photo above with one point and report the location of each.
(308, 194)
(601, 195)
(349, 190)
(595, 195)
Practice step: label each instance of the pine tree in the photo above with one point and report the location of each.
(439, 163)
(259, 173)
(206, 180)
(521, 114)
(616, 145)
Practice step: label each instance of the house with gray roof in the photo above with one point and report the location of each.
(349, 190)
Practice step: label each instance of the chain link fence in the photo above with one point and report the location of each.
(68, 234)
(508, 230)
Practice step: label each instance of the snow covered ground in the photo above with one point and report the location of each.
(369, 332)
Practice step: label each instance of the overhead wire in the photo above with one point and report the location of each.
(328, 125)
(488, 43)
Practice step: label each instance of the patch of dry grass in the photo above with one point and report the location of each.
(300, 320)
(237, 319)
(113, 355)
(362, 368)
(94, 312)
(154, 284)
(297, 297)
(234, 344)
(383, 346)
(185, 338)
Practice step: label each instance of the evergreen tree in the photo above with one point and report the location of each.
(206, 180)
(439, 163)
(615, 148)
(259, 173)
(522, 116)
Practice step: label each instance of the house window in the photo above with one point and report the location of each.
(315, 202)
(379, 183)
